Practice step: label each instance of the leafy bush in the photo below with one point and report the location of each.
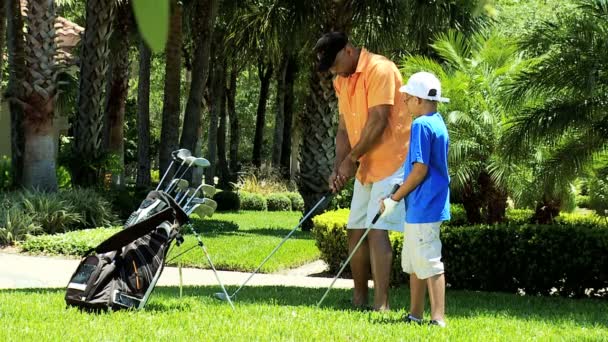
(264, 180)
(5, 173)
(227, 201)
(458, 215)
(297, 202)
(278, 202)
(598, 195)
(582, 201)
(519, 216)
(51, 212)
(64, 178)
(251, 201)
(567, 259)
(590, 220)
(95, 209)
(72, 243)
(343, 198)
(126, 200)
(15, 225)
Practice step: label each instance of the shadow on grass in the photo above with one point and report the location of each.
(460, 304)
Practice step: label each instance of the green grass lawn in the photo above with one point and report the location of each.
(289, 314)
(236, 241)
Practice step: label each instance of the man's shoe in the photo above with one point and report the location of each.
(438, 323)
(412, 319)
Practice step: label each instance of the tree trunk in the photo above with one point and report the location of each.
(217, 95)
(264, 73)
(39, 169)
(202, 34)
(235, 137)
(118, 91)
(3, 11)
(290, 79)
(169, 135)
(88, 130)
(224, 174)
(546, 210)
(279, 118)
(472, 204)
(143, 116)
(16, 66)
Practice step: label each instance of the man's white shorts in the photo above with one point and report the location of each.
(421, 252)
(366, 203)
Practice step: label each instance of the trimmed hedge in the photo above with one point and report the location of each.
(278, 202)
(252, 201)
(562, 259)
(227, 201)
(297, 202)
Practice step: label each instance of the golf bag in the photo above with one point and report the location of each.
(121, 272)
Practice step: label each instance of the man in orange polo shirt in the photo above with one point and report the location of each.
(373, 133)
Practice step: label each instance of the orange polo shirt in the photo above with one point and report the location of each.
(375, 82)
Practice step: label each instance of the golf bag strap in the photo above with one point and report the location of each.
(134, 232)
(180, 216)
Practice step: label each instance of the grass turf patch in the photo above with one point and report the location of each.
(236, 241)
(288, 313)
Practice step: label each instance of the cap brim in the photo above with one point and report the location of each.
(405, 89)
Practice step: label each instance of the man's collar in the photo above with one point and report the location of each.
(363, 60)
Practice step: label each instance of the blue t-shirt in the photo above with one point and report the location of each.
(430, 200)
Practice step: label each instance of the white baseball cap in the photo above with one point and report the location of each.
(425, 86)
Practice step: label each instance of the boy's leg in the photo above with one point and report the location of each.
(436, 285)
(359, 266)
(381, 261)
(417, 295)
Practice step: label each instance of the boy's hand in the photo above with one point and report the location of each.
(387, 206)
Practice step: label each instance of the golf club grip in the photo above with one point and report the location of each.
(395, 188)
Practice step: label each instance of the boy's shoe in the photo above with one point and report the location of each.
(438, 323)
(409, 318)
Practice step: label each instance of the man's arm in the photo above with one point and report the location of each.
(336, 182)
(374, 127)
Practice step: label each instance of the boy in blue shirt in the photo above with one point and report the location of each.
(426, 189)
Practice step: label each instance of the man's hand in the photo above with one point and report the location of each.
(387, 206)
(332, 181)
(345, 172)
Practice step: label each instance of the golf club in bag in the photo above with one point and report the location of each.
(395, 188)
(224, 296)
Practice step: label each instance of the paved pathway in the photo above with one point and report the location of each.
(23, 271)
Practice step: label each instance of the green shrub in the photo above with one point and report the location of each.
(126, 200)
(72, 243)
(297, 202)
(5, 173)
(590, 220)
(458, 215)
(582, 201)
(343, 198)
(278, 202)
(15, 225)
(64, 178)
(227, 201)
(252, 201)
(50, 212)
(598, 196)
(567, 259)
(519, 216)
(95, 209)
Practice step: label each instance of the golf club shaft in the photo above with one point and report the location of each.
(164, 176)
(281, 243)
(193, 195)
(170, 188)
(395, 188)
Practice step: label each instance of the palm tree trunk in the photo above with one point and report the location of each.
(202, 34)
(39, 169)
(217, 93)
(118, 90)
(264, 73)
(235, 137)
(279, 119)
(15, 90)
(290, 79)
(143, 116)
(3, 11)
(169, 135)
(88, 130)
(224, 174)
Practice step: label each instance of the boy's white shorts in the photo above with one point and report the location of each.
(421, 252)
(366, 203)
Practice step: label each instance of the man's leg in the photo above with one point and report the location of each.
(417, 293)
(359, 266)
(437, 296)
(381, 255)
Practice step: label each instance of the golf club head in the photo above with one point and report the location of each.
(220, 295)
(181, 154)
(203, 210)
(205, 201)
(208, 190)
(201, 162)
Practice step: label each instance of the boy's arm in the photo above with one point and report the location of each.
(414, 179)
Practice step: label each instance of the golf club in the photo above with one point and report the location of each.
(222, 296)
(395, 188)
(202, 210)
(208, 191)
(197, 162)
(178, 155)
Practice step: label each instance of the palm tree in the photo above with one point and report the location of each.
(560, 98)
(118, 86)
(39, 158)
(472, 72)
(169, 136)
(88, 130)
(143, 116)
(15, 90)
